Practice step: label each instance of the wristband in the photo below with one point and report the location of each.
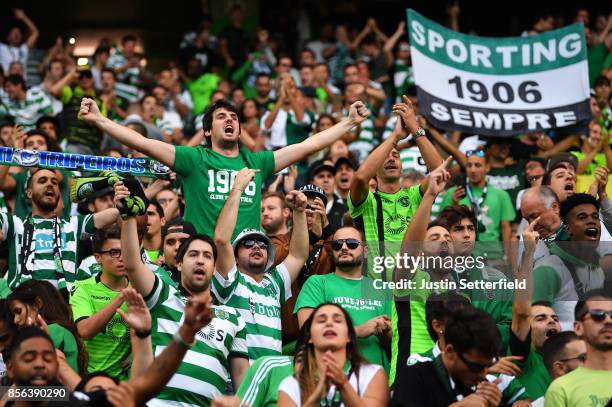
(143, 334)
(419, 133)
(179, 340)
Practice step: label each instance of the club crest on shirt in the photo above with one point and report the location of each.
(221, 314)
(404, 201)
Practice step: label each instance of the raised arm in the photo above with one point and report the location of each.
(417, 228)
(8, 183)
(139, 320)
(226, 222)
(296, 152)
(33, 37)
(521, 306)
(391, 41)
(58, 87)
(158, 150)
(198, 314)
(365, 172)
(298, 246)
(407, 113)
(141, 278)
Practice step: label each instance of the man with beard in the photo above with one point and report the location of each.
(44, 246)
(208, 172)
(383, 216)
(369, 308)
(589, 383)
(245, 278)
(221, 343)
(572, 268)
(275, 216)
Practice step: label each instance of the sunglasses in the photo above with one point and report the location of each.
(477, 153)
(350, 243)
(476, 367)
(599, 315)
(251, 243)
(114, 253)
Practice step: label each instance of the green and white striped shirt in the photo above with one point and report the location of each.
(259, 304)
(204, 371)
(365, 141)
(41, 263)
(26, 112)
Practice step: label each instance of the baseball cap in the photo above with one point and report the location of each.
(319, 166)
(344, 160)
(178, 225)
(256, 235)
(559, 159)
(315, 192)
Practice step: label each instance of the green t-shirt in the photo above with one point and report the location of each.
(495, 208)
(23, 205)
(152, 255)
(581, 388)
(598, 161)
(596, 57)
(207, 181)
(511, 179)
(359, 298)
(64, 340)
(534, 376)
(109, 348)
(397, 212)
(4, 289)
(201, 90)
(260, 384)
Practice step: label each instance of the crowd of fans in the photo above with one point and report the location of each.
(257, 273)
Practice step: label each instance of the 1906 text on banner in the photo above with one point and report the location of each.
(499, 86)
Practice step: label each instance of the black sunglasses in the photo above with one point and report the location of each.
(476, 367)
(599, 315)
(250, 243)
(350, 243)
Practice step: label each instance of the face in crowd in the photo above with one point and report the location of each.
(463, 236)
(252, 255)
(171, 244)
(544, 323)
(391, 169)
(44, 190)
(329, 329)
(197, 266)
(595, 326)
(225, 127)
(110, 258)
(476, 168)
(533, 207)
(583, 224)
(273, 214)
(563, 181)
(348, 249)
(34, 363)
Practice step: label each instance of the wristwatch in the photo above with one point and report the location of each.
(419, 133)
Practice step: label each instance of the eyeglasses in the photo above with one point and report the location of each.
(598, 315)
(582, 358)
(251, 243)
(477, 153)
(114, 253)
(476, 367)
(350, 243)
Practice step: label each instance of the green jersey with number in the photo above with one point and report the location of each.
(204, 371)
(260, 384)
(259, 305)
(43, 261)
(109, 348)
(208, 178)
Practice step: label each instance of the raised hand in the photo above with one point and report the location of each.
(121, 396)
(19, 14)
(18, 136)
(407, 114)
(138, 316)
(506, 366)
(358, 112)
(243, 178)
(333, 370)
(438, 178)
(89, 110)
(458, 195)
(121, 192)
(530, 236)
(296, 200)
